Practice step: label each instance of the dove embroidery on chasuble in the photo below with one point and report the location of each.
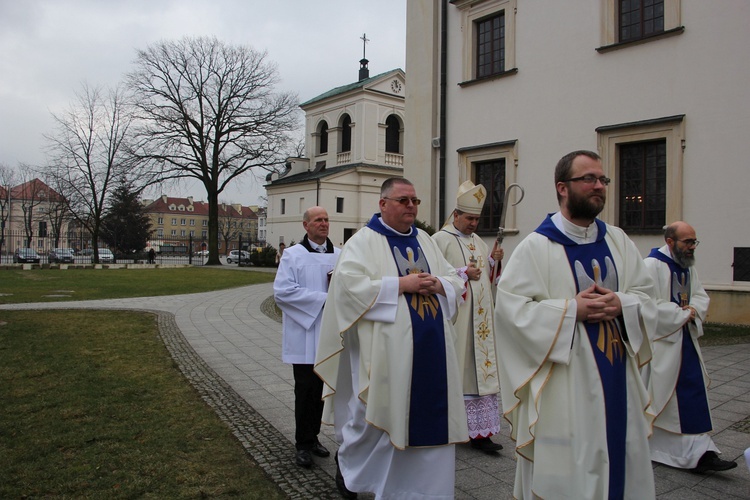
(692, 401)
(428, 406)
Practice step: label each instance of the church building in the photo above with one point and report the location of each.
(500, 90)
(354, 136)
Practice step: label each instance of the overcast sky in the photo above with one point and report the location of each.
(49, 47)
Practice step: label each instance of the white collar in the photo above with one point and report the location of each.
(455, 230)
(394, 230)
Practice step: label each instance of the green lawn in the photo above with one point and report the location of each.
(50, 285)
(94, 407)
(719, 334)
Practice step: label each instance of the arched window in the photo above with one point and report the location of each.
(392, 135)
(346, 134)
(322, 138)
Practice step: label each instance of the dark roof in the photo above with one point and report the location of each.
(326, 172)
(346, 88)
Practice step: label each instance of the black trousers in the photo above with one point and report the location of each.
(308, 406)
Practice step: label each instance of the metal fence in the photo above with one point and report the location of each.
(172, 250)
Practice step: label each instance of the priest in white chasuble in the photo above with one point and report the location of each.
(474, 324)
(677, 378)
(573, 313)
(387, 356)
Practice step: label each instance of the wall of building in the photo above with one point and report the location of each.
(423, 103)
(359, 187)
(565, 89)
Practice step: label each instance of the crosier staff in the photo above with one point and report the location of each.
(501, 229)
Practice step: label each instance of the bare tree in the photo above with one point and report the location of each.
(229, 228)
(7, 179)
(57, 208)
(88, 154)
(31, 194)
(208, 111)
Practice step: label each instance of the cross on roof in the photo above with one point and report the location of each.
(364, 44)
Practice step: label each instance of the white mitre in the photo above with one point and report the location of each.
(470, 198)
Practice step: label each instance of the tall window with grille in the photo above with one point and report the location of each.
(346, 134)
(491, 174)
(643, 185)
(323, 138)
(640, 19)
(490, 48)
(392, 135)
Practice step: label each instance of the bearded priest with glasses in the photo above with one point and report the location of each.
(677, 378)
(573, 312)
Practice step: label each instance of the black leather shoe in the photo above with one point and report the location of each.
(486, 445)
(340, 484)
(710, 462)
(303, 458)
(320, 451)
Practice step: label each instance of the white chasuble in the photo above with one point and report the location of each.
(551, 387)
(474, 323)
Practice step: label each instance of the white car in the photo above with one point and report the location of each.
(235, 255)
(105, 256)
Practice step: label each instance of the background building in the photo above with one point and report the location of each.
(33, 215)
(499, 90)
(176, 221)
(354, 141)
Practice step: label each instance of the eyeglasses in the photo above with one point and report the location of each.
(690, 243)
(591, 179)
(404, 200)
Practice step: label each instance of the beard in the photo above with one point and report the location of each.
(585, 207)
(683, 258)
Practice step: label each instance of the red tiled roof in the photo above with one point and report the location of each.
(34, 189)
(163, 205)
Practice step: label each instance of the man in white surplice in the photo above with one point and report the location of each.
(387, 356)
(677, 379)
(572, 314)
(475, 332)
(300, 290)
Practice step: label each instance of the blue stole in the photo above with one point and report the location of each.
(428, 404)
(692, 401)
(589, 263)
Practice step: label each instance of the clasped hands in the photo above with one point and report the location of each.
(596, 304)
(421, 283)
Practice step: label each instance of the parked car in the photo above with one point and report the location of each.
(236, 255)
(105, 256)
(61, 255)
(87, 252)
(201, 253)
(26, 255)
